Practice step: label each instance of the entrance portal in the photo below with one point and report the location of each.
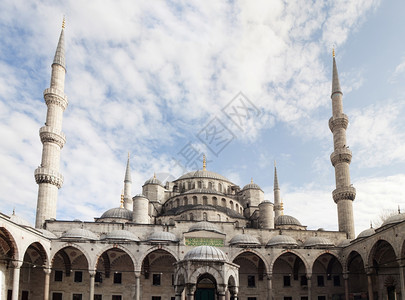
(206, 286)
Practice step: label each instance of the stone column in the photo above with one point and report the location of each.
(92, 274)
(138, 285)
(402, 278)
(221, 290)
(309, 283)
(178, 289)
(346, 279)
(269, 286)
(46, 286)
(369, 273)
(16, 279)
(190, 291)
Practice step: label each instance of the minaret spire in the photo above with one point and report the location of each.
(345, 193)
(204, 163)
(278, 206)
(47, 175)
(128, 203)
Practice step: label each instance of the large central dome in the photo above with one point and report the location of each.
(203, 174)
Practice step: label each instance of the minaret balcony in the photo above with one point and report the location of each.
(344, 193)
(341, 121)
(55, 96)
(49, 134)
(45, 175)
(341, 155)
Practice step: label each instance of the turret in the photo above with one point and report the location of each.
(47, 175)
(266, 215)
(127, 187)
(278, 206)
(140, 213)
(341, 157)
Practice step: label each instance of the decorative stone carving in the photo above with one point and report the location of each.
(50, 135)
(340, 122)
(45, 175)
(344, 193)
(55, 96)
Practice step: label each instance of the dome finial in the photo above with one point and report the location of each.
(154, 175)
(122, 199)
(251, 180)
(399, 209)
(333, 51)
(282, 207)
(63, 23)
(204, 163)
(371, 224)
(13, 211)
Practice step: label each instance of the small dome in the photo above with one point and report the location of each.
(47, 233)
(117, 213)
(282, 240)
(153, 180)
(317, 241)
(207, 253)
(252, 185)
(345, 243)
(287, 220)
(79, 233)
(397, 218)
(365, 233)
(19, 220)
(121, 235)
(204, 226)
(163, 237)
(244, 239)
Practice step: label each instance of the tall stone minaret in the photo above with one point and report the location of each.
(277, 200)
(47, 174)
(127, 187)
(341, 157)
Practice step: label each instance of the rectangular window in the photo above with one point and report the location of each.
(304, 280)
(24, 295)
(56, 296)
(156, 279)
(116, 297)
(336, 280)
(78, 276)
(118, 278)
(156, 298)
(9, 294)
(58, 275)
(251, 281)
(287, 298)
(287, 280)
(251, 298)
(98, 297)
(77, 297)
(320, 280)
(98, 277)
(321, 297)
(304, 298)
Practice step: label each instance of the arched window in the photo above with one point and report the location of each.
(200, 185)
(231, 204)
(223, 202)
(205, 218)
(210, 185)
(214, 201)
(220, 187)
(191, 216)
(219, 217)
(177, 202)
(194, 200)
(205, 200)
(189, 185)
(185, 201)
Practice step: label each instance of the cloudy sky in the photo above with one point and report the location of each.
(153, 78)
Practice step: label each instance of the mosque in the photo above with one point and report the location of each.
(199, 236)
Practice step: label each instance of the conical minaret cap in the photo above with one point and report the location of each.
(128, 172)
(59, 58)
(335, 78)
(275, 178)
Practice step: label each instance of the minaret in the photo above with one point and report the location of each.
(341, 157)
(127, 187)
(277, 199)
(47, 174)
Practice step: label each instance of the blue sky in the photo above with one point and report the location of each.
(148, 78)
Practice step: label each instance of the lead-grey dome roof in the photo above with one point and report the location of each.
(117, 213)
(202, 174)
(153, 180)
(281, 240)
(162, 236)
(204, 225)
(203, 191)
(366, 233)
(47, 233)
(19, 220)
(79, 233)
(252, 186)
(244, 239)
(206, 253)
(121, 235)
(287, 220)
(317, 241)
(345, 243)
(397, 218)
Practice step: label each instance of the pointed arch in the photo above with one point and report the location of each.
(114, 246)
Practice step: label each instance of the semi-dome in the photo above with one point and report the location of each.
(117, 213)
(203, 174)
(345, 243)
(162, 237)
(365, 233)
(123, 235)
(153, 180)
(79, 233)
(317, 241)
(19, 220)
(244, 239)
(206, 253)
(287, 220)
(204, 225)
(47, 233)
(397, 218)
(282, 241)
